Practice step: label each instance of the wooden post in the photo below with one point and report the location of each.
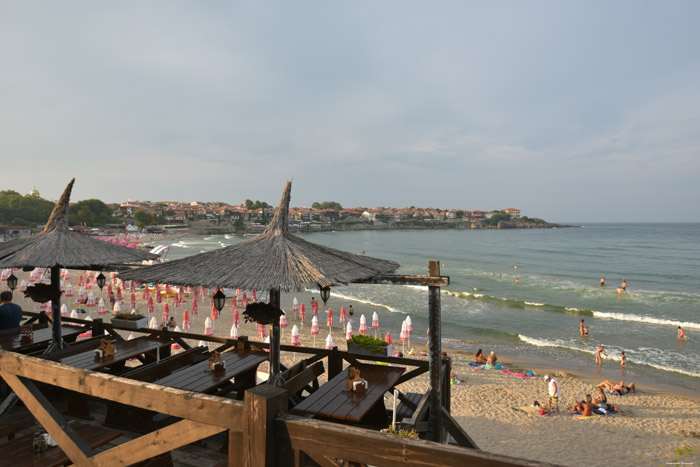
(98, 328)
(435, 354)
(263, 404)
(335, 363)
(56, 309)
(275, 374)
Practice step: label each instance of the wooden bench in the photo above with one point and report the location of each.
(11, 424)
(19, 452)
(412, 410)
(141, 420)
(301, 381)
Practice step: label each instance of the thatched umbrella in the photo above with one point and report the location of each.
(275, 260)
(59, 247)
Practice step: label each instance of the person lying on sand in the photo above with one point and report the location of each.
(619, 387)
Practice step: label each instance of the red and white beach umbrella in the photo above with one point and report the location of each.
(234, 305)
(117, 308)
(195, 294)
(295, 305)
(150, 306)
(146, 292)
(81, 282)
(363, 325)
(64, 310)
(234, 332)
(109, 288)
(195, 307)
(343, 318)
(214, 312)
(5, 274)
(404, 335)
(120, 297)
(314, 306)
(387, 338)
(254, 295)
(296, 340)
(167, 289)
(132, 286)
(90, 275)
(69, 290)
(208, 327)
(166, 311)
(238, 292)
(23, 286)
(186, 324)
(283, 320)
(244, 300)
(159, 296)
(101, 309)
(348, 332)
(90, 300)
(74, 314)
(181, 295)
(236, 320)
(329, 320)
(133, 300)
(87, 333)
(262, 331)
(302, 313)
(375, 323)
(329, 341)
(153, 323)
(81, 295)
(314, 326)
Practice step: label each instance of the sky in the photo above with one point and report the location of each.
(570, 111)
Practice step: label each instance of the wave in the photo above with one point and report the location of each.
(366, 302)
(645, 319)
(613, 354)
(520, 304)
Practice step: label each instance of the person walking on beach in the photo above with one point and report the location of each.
(351, 314)
(623, 360)
(582, 326)
(681, 333)
(10, 313)
(552, 393)
(598, 358)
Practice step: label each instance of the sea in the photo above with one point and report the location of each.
(523, 293)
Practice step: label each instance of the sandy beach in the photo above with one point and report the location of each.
(657, 427)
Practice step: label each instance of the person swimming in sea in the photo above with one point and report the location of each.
(681, 333)
(623, 286)
(602, 281)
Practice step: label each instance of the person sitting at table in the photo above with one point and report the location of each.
(10, 313)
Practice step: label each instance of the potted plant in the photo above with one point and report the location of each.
(130, 320)
(368, 345)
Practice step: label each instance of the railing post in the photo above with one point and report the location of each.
(98, 328)
(335, 363)
(263, 404)
(435, 351)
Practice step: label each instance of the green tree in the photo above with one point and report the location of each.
(144, 219)
(16, 209)
(326, 205)
(497, 217)
(89, 211)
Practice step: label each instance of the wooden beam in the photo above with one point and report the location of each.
(456, 430)
(153, 444)
(50, 418)
(262, 405)
(202, 408)
(437, 281)
(318, 439)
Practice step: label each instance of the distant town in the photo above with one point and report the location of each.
(196, 217)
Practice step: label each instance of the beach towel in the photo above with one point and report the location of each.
(475, 363)
(615, 393)
(497, 366)
(520, 375)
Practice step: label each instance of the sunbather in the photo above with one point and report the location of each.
(619, 387)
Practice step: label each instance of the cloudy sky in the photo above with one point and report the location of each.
(571, 111)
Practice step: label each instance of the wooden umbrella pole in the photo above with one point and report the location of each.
(435, 354)
(275, 374)
(56, 309)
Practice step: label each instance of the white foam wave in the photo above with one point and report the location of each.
(646, 319)
(534, 304)
(367, 302)
(422, 288)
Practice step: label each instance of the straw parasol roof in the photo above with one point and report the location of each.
(275, 259)
(57, 245)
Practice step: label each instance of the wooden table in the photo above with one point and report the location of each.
(19, 452)
(331, 401)
(240, 364)
(124, 351)
(13, 342)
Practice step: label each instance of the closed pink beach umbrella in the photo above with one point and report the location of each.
(236, 321)
(133, 300)
(295, 305)
(159, 296)
(375, 323)
(404, 333)
(66, 274)
(182, 294)
(254, 295)
(208, 327)
(244, 300)
(186, 324)
(152, 323)
(81, 282)
(234, 305)
(343, 318)
(69, 290)
(117, 308)
(234, 332)
(387, 338)
(329, 320)
(23, 286)
(262, 331)
(81, 295)
(109, 288)
(150, 307)
(329, 342)
(132, 286)
(47, 307)
(314, 305)
(64, 310)
(6, 274)
(348, 332)
(238, 292)
(166, 312)
(146, 293)
(167, 289)
(363, 325)
(175, 345)
(89, 275)
(314, 326)
(195, 307)
(89, 332)
(90, 300)
(283, 321)
(302, 313)
(120, 297)
(296, 340)
(214, 312)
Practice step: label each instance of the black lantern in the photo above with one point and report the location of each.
(12, 282)
(101, 279)
(219, 300)
(325, 294)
